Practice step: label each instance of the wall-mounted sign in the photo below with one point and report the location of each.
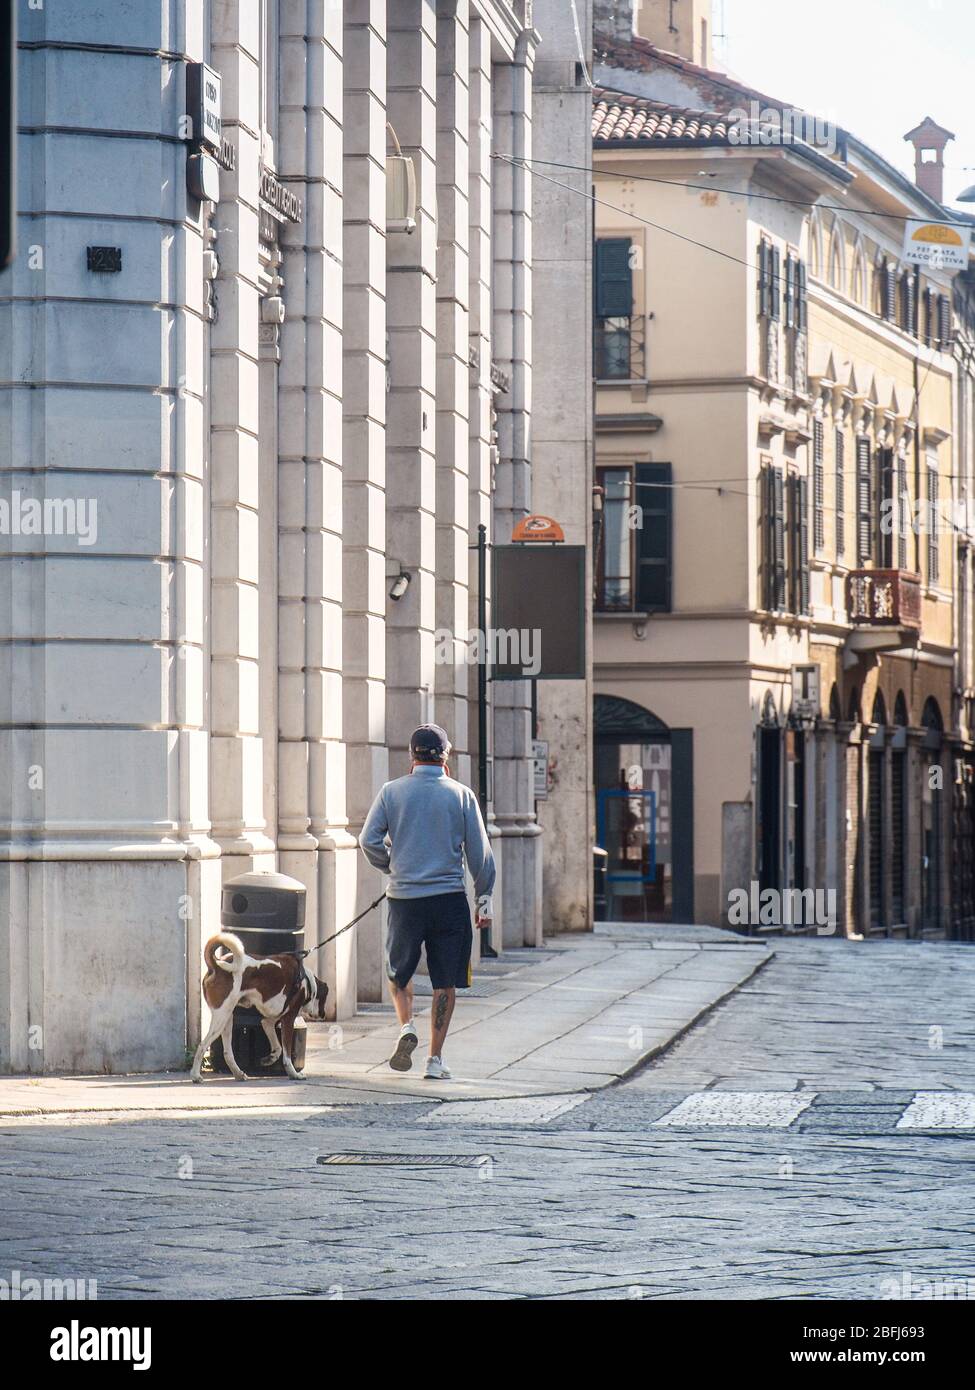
(203, 102)
(540, 760)
(805, 691)
(203, 178)
(937, 245)
(105, 259)
(278, 200)
(537, 528)
(538, 612)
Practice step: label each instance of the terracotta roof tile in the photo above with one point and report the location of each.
(619, 117)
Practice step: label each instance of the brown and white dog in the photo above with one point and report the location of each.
(279, 987)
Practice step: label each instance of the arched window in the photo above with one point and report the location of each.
(858, 288)
(879, 714)
(853, 706)
(834, 703)
(837, 268)
(815, 246)
(901, 718)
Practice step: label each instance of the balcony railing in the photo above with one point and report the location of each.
(883, 598)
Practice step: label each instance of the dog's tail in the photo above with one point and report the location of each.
(225, 941)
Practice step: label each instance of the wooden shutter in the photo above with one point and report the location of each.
(901, 506)
(654, 577)
(802, 543)
(763, 278)
(934, 559)
(944, 322)
(778, 540)
(775, 285)
(909, 302)
(887, 514)
(790, 291)
(864, 502)
(888, 286)
(801, 315)
(613, 278)
(819, 487)
(839, 446)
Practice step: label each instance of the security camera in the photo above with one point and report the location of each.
(399, 586)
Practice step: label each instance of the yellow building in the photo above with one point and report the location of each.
(775, 630)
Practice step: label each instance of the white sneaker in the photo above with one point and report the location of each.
(402, 1058)
(435, 1070)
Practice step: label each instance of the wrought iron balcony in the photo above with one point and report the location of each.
(883, 598)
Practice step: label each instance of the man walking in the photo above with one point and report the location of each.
(419, 830)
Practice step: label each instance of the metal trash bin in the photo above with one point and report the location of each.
(267, 912)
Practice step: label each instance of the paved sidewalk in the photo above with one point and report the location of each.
(574, 1016)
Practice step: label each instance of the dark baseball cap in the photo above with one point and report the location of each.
(429, 741)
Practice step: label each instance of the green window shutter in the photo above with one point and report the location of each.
(934, 558)
(790, 292)
(819, 488)
(654, 580)
(613, 278)
(775, 284)
(763, 278)
(801, 313)
(886, 507)
(944, 322)
(778, 540)
(839, 462)
(901, 512)
(802, 543)
(864, 503)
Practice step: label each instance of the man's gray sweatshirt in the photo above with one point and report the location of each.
(419, 831)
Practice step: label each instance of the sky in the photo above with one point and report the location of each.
(875, 67)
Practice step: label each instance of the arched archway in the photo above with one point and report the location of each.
(835, 712)
(876, 815)
(644, 814)
(933, 801)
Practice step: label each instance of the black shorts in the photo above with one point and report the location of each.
(442, 923)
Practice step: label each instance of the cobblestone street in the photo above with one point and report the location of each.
(788, 1148)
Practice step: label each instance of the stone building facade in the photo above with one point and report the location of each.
(290, 398)
(781, 649)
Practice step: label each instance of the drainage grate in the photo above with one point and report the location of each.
(408, 1160)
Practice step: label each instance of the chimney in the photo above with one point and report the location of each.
(929, 140)
(680, 26)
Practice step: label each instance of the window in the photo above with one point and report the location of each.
(864, 486)
(615, 561)
(773, 539)
(887, 274)
(613, 308)
(839, 445)
(769, 280)
(908, 302)
(819, 488)
(634, 564)
(888, 516)
(944, 322)
(902, 511)
(934, 558)
(655, 496)
(798, 544)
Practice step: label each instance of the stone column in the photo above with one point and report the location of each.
(314, 840)
(412, 401)
(562, 444)
(106, 869)
(482, 450)
(364, 448)
(453, 379)
(236, 770)
(514, 805)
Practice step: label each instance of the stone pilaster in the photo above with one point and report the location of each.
(236, 770)
(315, 845)
(364, 449)
(562, 443)
(514, 807)
(453, 378)
(412, 402)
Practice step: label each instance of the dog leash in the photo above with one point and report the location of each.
(302, 954)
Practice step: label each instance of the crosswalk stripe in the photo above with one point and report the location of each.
(939, 1110)
(518, 1110)
(734, 1109)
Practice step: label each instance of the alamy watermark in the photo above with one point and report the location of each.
(49, 516)
(769, 125)
(23, 1288)
(755, 906)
